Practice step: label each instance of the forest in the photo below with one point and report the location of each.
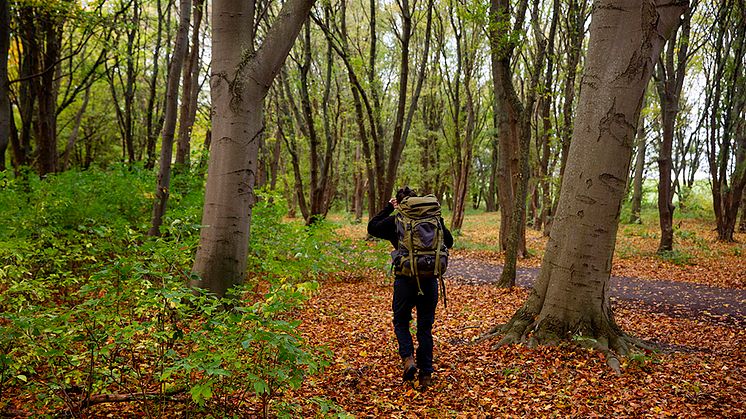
(185, 187)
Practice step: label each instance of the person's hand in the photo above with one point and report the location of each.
(394, 203)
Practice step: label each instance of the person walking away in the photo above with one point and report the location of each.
(421, 242)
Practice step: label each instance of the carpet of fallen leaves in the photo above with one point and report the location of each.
(701, 373)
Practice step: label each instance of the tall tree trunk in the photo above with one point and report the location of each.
(240, 81)
(669, 85)
(570, 297)
(46, 92)
(190, 91)
(639, 171)
(516, 243)
(403, 118)
(163, 184)
(545, 106)
(153, 121)
(510, 110)
(491, 198)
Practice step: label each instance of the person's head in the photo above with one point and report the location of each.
(404, 193)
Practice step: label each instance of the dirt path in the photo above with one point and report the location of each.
(721, 306)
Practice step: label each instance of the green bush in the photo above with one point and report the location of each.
(89, 305)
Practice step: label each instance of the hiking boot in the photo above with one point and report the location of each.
(410, 369)
(426, 380)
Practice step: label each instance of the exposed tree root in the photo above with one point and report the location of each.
(607, 337)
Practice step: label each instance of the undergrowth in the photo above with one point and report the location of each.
(92, 308)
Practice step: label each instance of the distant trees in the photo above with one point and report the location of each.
(471, 102)
(725, 108)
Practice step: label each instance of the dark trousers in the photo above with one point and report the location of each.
(405, 299)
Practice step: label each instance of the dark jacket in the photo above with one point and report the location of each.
(383, 226)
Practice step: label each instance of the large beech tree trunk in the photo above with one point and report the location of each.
(571, 296)
(239, 83)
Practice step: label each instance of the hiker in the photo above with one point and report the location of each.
(415, 284)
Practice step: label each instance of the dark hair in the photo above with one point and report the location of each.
(404, 193)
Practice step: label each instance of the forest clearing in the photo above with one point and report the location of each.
(351, 208)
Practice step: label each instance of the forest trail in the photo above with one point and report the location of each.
(719, 306)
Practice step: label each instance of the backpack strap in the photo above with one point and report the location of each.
(413, 261)
(439, 241)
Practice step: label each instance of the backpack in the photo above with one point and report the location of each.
(421, 253)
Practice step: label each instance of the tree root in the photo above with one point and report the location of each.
(609, 339)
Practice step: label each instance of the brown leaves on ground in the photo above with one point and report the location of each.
(701, 375)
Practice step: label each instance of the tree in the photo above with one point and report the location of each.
(671, 70)
(190, 89)
(509, 109)
(517, 127)
(240, 80)
(726, 107)
(570, 297)
(169, 127)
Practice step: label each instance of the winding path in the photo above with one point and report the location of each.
(722, 306)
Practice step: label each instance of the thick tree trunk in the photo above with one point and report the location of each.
(239, 82)
(163, 185)
(570, 297)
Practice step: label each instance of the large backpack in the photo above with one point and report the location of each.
(421, 253)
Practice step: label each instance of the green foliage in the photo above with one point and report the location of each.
(90, 306)
(677, 257)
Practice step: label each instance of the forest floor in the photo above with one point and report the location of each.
(691, 305)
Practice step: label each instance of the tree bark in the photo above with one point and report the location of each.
(239, 83)
(167, 136)
(570, 297)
